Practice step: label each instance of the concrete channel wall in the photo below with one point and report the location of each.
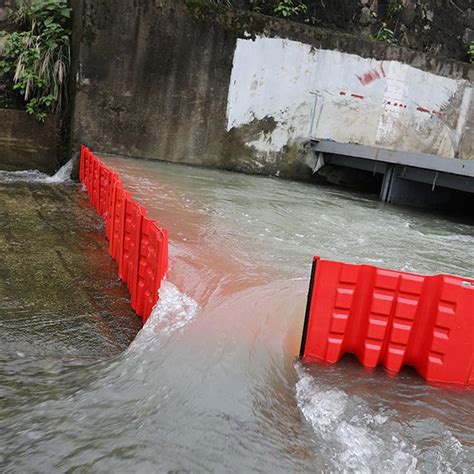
(243, 92)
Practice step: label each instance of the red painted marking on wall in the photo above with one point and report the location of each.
(422, 109)
(342, 93)
(357, 96)
(396, 104)
(371, 76)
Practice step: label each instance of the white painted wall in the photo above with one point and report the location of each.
(366, 101)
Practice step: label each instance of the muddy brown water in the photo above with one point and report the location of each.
(212, 382)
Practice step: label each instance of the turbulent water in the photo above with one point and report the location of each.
(212, 383)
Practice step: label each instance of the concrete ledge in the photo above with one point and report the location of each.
(416, 160)
(27, 144)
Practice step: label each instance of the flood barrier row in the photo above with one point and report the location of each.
(138, 244)
(384, 317)
(391, 318)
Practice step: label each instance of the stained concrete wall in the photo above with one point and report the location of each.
(234, 91)
(343, 97)
(153, 82)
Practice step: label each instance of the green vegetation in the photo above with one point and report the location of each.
(394, 8)
(37, 56)
(383, 27)
(281, 8)
(289, 8)
(386, 32)
(470, 52)
(385, 35)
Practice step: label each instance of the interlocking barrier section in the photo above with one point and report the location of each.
(138, 244)
(391, 318)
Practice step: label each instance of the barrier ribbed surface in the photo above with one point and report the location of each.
(138, 244)
(391, 318)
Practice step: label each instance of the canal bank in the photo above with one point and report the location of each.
(211, 380)
(59, 298)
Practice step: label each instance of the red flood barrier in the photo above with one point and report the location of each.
(138, 244)
(391, 318)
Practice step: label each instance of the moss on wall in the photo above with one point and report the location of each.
(240, 22)
(442, 28)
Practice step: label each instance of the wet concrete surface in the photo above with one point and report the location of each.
(59, 293)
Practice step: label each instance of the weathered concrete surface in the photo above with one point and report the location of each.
(27, 144)
(155, 83)
(58, 291)
(384, 104)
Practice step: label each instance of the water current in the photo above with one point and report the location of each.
(212, 382)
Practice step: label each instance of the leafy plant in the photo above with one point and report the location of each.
(282, 8)
(386, 35)
(470, 52)
(37, 57)
(289, 8)
(394, 7)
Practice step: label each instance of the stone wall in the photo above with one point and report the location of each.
(5, 6)
(445, 28)
(157, 83)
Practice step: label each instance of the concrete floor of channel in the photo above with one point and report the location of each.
(59, 293)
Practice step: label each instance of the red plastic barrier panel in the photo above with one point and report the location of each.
(391, 318)
(90, 175)
(138, 301)
(114, 181)
(138, 244)
(105, 178)
(155, 267)
(152, 267)
(118, 217)
(130, 240)
(82, 164)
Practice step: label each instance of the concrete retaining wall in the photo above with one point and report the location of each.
(156, 83)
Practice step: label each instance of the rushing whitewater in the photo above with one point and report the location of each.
(63, 175)
(212, 383)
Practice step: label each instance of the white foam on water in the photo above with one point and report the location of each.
(357, 441)
(63, 175)
(173, 312)
(22, 176)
